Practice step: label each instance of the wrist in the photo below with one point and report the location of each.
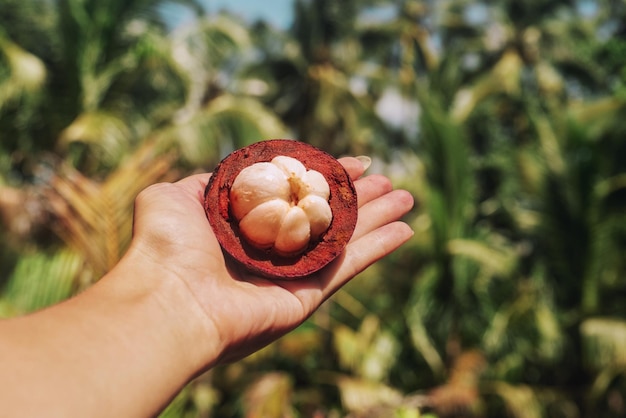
(169, 311)
(124, 347)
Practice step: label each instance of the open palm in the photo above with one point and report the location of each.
(248, 311)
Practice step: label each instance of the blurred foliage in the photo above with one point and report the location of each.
(506, 120)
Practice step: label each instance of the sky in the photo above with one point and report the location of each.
(279, 13)
(276, 12)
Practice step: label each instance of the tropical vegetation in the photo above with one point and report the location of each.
(505, 119)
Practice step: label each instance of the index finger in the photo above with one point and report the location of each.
(353, 166)
(195, 184)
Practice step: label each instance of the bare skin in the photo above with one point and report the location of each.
(172, 308)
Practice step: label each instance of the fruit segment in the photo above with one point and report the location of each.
(281, 208)
(281, 205)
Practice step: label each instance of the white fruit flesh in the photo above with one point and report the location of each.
(281, 204)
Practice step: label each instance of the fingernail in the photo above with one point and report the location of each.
(365, 160)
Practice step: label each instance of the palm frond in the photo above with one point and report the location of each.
(270, 396)
(40, 280)
(360, 395)
(95, 218)
(496, 261)
(106, 133)
(503, 78)
(368, 352)
(419, 309)
(223, 125)
(604, 342)
(24, 74)
(520, 401)
(201, 54)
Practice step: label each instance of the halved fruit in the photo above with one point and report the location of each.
(274, 222)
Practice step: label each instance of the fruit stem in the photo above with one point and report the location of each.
(295, 183)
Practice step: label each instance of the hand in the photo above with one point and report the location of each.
(172, 308)
(244, 311)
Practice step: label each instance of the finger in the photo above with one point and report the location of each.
(365, 251)
(353, 166)
(381, 211)
(195, 184)
(370, 187)
(195, 180)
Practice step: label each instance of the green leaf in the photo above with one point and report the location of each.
(40, 280)
(603, 343)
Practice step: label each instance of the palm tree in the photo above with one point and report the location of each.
(519, 132)
(220, 113)
(120, 92)
(317, 78)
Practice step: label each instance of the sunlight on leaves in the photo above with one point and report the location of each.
(359, 394)
(604, 343)
(503, 78)
(27, 73)
(520, 400)
(423, 343)
(496, 261)
(269, 397)
(369, 352)
(40, 280)
(106, 132)
(95, 218)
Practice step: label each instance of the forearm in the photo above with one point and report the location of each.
(172, 308)
(122, 348)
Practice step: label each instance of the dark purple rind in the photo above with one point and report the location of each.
(342, 201)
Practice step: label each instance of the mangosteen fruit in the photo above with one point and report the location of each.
(281, 208)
